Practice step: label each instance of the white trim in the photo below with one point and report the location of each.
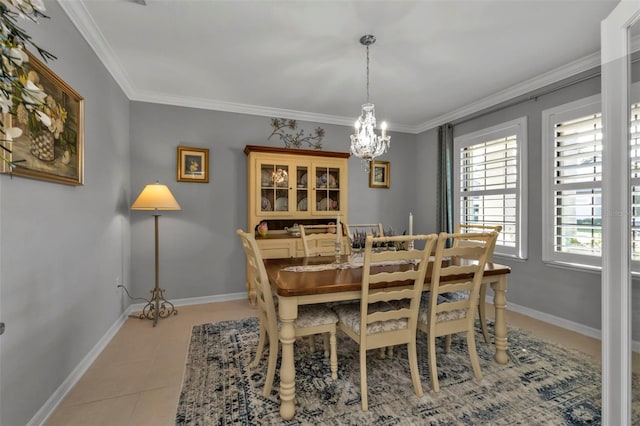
(78, 14)
(82, 20)
(518, 127)
(566, 71)
(61, 392)
(616, 254)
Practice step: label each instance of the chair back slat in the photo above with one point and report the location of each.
(475, 228)
(318, 240)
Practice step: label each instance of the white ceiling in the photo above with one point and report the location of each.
(433, 61)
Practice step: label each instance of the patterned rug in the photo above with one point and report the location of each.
(542, 384)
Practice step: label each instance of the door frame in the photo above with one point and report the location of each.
(616, 218)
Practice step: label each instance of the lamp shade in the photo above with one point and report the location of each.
(155, 197)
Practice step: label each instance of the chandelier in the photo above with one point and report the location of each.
(365, 143)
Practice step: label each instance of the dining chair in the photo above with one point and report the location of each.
(312, 319)
(318, 240)
(457, 270)
(482, 312)
(374, 322)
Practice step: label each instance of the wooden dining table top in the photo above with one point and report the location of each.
(306, 283)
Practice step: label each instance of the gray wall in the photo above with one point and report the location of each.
(200, 254)
(62, 247)
(570, 294)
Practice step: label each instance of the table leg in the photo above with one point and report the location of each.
(500, 304)
(288, 308)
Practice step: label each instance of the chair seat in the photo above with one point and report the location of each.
(314, 316)
(423, 315)
(349, 315)
(454, 296)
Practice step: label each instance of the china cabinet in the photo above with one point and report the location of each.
(286, 187)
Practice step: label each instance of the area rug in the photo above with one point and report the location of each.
(543, 383)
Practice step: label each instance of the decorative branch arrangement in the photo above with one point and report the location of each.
(18, 91)
(295, 139)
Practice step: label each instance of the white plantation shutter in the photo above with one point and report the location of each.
(635, 182)
(572, 154)
(577, 177)
(490, 176)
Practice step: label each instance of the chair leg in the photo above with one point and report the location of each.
(473, 354)
(312, 343)
(334, 354)
(381, 353)
(363, 379)
(447, 343)
(326, 343)
(260, 348)
(274, 348)
(390, 351)
(482, 312)
(432, 363)
(413, 365)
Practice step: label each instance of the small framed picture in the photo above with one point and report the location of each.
(380, 174)
(193, 164)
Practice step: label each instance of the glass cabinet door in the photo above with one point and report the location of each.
(274, 187)
(327, 189)
(302, 189)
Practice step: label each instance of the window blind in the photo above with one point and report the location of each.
(577, 176)
(488, 186)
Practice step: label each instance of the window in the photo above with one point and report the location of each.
(572, 183)
(490, 178)
(572, 175)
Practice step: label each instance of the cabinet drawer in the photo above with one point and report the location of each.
(277, 249)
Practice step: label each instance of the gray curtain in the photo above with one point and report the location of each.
(445, 178)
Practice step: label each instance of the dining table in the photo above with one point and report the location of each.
(322, 279)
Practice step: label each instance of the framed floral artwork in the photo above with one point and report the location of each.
(193, 164)
(380, 174)
(52, 152)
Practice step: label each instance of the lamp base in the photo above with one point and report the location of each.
(157, 307)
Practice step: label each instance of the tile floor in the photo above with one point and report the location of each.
(137, 379)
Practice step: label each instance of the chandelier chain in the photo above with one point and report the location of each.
(367, 73)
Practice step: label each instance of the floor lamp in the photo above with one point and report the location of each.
(156, 197)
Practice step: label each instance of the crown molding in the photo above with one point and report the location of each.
(202, 103)
(79, 15)
(569, 70)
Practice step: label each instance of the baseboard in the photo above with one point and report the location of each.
(61, 392)
(560, 322)
(137, 307)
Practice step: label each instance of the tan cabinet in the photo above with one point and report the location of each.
(287, 186)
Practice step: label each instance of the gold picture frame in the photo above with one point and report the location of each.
(193, 164)
(380, 174)
(56, 153)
